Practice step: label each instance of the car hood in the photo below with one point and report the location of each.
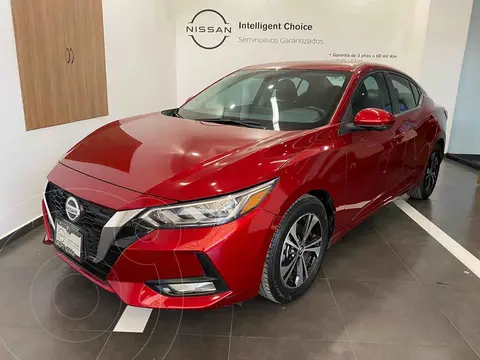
(182, 159)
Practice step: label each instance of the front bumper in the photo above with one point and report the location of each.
(236, 252)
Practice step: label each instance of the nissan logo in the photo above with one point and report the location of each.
(208, 29)
(72, 208)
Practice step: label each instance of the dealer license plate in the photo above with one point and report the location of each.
(68, 239)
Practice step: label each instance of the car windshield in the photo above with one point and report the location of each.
(270, 99)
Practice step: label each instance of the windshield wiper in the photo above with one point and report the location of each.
(246, 123)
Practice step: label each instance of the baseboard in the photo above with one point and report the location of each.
(21, 231)
(463, 160)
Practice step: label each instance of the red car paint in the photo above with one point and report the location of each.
(153, 159)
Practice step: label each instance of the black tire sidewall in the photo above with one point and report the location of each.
(425, 192)
(303, 206)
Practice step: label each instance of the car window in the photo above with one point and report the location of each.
(273, 99)
(403, 93)
(416, 93)
(238, 94)
(336, 80)
(372, 93)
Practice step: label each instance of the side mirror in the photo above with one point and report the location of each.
(374, 119)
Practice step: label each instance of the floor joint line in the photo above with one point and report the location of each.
(340, 315)
(230, 337)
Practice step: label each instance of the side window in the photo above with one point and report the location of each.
(372, 93)
(403, 93)
(416, 93)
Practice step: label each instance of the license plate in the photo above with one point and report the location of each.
(68, 239)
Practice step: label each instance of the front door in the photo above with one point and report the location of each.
(372, 157)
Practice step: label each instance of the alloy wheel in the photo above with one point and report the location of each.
(432, 172)
(300, 251)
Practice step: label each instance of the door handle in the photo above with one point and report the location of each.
(69, 55)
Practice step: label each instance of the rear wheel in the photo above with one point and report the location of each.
(296, 251)
(430, 177)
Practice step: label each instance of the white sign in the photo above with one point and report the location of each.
(214, 38)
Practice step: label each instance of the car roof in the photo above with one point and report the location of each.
(319, 65)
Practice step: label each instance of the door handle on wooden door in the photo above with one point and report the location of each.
(69, 55)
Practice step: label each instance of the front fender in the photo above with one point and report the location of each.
(322, 166)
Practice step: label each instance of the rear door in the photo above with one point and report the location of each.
(408, 135)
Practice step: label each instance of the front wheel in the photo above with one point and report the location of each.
(430, 177)
(296, 251)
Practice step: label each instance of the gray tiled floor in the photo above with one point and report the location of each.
(387, 291)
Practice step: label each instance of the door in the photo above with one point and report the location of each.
(42, 60)
(369, 153)
(407, 135)
(87, 75)
(61, 59)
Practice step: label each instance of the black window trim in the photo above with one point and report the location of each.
(388, 74)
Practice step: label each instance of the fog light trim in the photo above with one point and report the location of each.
(210, 283)
(189, 288)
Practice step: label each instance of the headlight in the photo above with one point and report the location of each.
(208, 212)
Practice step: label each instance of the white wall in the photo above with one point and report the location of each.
(466, 128)
(444, 50)
(140, 57)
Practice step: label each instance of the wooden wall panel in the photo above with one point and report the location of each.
(41, 60)
(88, 75)
(61, 59)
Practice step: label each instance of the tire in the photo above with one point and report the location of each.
(276, 284)
(430, 176)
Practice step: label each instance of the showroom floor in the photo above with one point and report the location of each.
(388, 291)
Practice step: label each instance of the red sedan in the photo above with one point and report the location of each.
(241, 190)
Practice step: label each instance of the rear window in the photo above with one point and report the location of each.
(403, 92)
(416, 93)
